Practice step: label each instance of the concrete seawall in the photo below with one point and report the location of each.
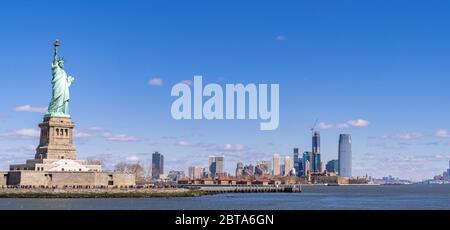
(99, 193)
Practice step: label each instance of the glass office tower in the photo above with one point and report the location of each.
(316, 161)
(157, 165)
(345, 155)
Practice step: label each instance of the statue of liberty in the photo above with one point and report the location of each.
(59, 104)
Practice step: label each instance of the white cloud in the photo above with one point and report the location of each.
(280, 38)
(231, 147)
(95, 129)
(433, 143)
(441, 133)
(132, 158)
(388, 146)
(30, 109)
(28, 133)
(21, 134)
(118, 137)
(323, 125)
(405, 136)
(358, 123)
(155, 82)
(27, 149)
(87, 132)
(81, 134)
(209, 147)
(184, 143)
(342, 126)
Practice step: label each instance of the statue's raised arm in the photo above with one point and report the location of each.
(55, 56)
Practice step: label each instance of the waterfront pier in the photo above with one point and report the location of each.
(246, 188)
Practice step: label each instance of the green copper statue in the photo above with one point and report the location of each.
(59, 105)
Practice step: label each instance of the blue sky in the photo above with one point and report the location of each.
(384, 62)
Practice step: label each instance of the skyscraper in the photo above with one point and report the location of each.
(301, 171)
(307, 170)
(216, 166)
(288, 165)
(296, 161)
(157, 165)
(307, 162)
(276, 165)
(220, 166)
(345, 155)
(316, 142)
(239, 169)
(316, 161)
(448, 171)
(212, 166)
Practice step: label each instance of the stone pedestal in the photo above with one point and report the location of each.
(56, 140)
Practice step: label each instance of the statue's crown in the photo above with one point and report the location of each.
(61, 59)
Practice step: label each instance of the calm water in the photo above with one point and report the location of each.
(317, 197)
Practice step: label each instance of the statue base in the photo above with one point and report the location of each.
(56, 140)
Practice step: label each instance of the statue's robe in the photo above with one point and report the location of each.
(61, 96)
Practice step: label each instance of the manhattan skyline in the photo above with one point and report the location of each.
(377, 71)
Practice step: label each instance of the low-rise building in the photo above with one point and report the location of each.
(3, 178)
(27, 178)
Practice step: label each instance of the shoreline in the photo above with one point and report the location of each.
(318, 185)
(99, 193)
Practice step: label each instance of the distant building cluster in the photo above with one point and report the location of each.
(390, 180)
(176, 175)
(445, 177)
(307, 165)
(310, 162)
(196, 172)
